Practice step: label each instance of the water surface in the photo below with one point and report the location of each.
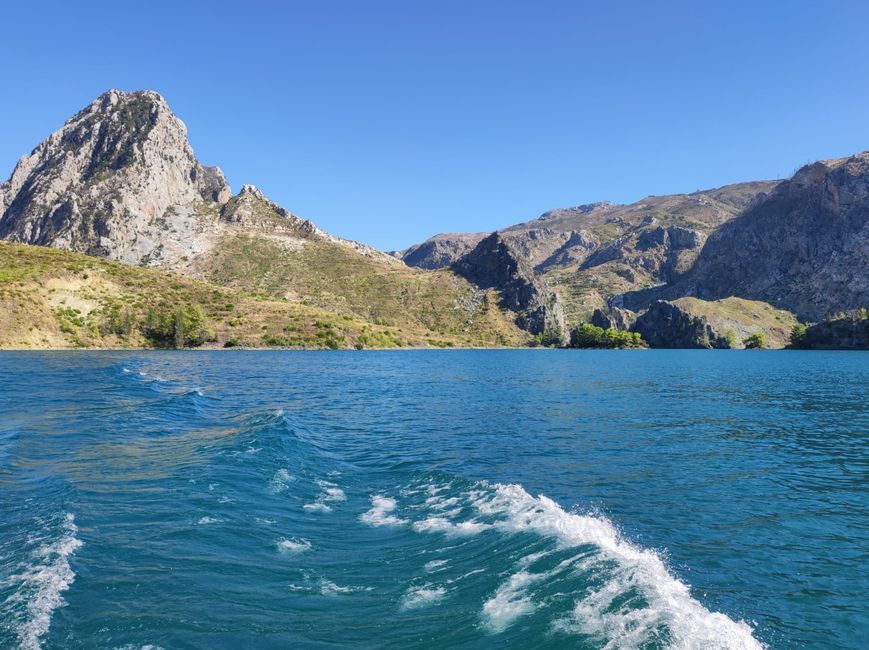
(478, 499)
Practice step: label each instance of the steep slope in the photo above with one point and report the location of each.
(440, 251)
(592, 252)
(495, 263)
(119, 180)
(805, 247)
(727, 323)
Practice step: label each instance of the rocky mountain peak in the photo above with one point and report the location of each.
(111, 182)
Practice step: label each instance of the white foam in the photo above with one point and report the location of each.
(317, 506)
(294, 545)
(510, 601)
(379, 514)
(442, 525)
(42, 582)
(329, 493)
(434, 565)
(422, 596)
(280, 481)
(329, 588)
(204, 521)
(669, 601)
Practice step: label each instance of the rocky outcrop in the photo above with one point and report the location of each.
(613, 318)
(255, 212)
(845, 332)
(440, 251)
(574, 250)
(119, 180)
(804, 247)
(666, 325)
(494, 263)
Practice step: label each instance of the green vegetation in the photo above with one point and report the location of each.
(591, 336)
(179, 327)
(756, 341)
(798, 335)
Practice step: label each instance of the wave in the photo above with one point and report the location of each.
(379, 514)
(329, 493)
(40, 584)
(294, 545)
(628, 598)
(422, 596)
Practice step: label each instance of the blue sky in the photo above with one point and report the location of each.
(390, 121)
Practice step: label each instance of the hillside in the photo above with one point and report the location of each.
(59, 299)
(590, 253)
(804, 247)
(120, 181)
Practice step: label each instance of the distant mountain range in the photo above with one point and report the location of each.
(120, 181)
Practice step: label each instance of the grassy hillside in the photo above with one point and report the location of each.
(320, 273)
(741, 318)
(52, 298)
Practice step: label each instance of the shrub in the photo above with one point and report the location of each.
(591, 336)
(798, 335)
(178, 327)
(756, 341)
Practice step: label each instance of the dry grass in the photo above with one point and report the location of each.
(56, 299)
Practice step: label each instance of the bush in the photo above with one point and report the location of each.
(756, 341)
(591, 336)
(798, 335)
(178, 327)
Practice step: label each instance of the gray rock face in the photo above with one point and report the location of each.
(119, 180)
(848, 332)
(613, 318)
(495, 263)
(803, 247)
(665, 325)
(440, 251)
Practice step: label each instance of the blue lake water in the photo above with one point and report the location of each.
(478, 499)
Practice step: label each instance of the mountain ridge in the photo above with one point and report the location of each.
(119, 180)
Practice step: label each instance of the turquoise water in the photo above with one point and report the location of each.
(432, 499)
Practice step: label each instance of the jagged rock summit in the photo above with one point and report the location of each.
(118, 180)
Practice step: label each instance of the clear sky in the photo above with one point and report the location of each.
(388, 122)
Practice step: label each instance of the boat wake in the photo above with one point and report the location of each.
(37, 586)
(576, 570)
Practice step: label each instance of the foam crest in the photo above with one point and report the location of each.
(42, 582)
(329, 493)
(443, 525)
(510, 601)
(294, 545)
(280, 481)
(380, 512)
(665, 602)
(435, 565)
(422, 596)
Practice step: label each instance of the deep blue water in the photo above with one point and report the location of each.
(433, 499)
